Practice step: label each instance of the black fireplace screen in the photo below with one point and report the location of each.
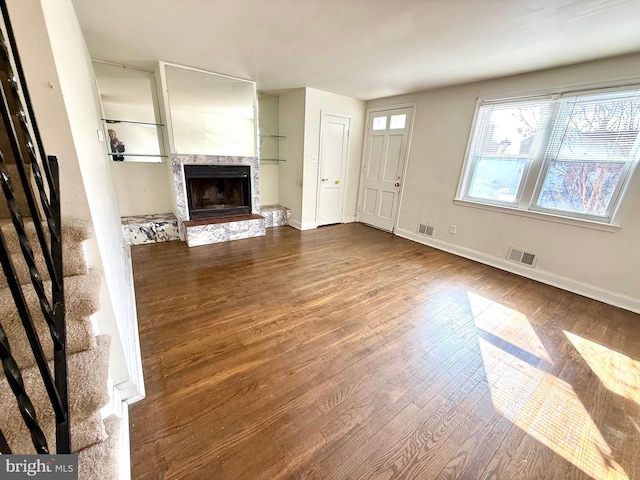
(217, 190)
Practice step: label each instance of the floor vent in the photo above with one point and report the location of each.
(426, 229)
(520, 256)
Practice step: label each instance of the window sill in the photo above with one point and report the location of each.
(547, 217)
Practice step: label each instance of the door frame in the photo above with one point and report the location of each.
(413, 106)
(344, 171)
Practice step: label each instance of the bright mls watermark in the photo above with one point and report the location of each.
(50, 467)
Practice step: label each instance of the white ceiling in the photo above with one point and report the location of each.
(360, 48)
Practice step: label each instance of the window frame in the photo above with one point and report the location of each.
(539, 163)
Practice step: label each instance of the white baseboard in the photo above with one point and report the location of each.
(349, 219)
(565, 283)
(129, 392)
(303, 226)
(295, 224)
(121, 409)
(134, 390)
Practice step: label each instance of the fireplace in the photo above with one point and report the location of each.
(217, 190)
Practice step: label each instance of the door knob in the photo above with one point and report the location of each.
(337, 182)
(397, 184)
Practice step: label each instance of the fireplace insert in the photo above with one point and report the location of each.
(218, 190)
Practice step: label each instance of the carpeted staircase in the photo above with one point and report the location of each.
(93, 438)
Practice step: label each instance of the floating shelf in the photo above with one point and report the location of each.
(112, 120)
(271, 148)
(125, 154)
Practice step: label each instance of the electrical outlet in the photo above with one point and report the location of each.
(453, 229)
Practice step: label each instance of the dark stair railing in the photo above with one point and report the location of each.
(24, 148)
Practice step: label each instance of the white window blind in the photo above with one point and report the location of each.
(592, 147)
(505, 139)
(597, 128)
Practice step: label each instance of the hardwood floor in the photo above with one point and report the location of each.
(348, 353)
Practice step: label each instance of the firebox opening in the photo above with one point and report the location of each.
(217, 190)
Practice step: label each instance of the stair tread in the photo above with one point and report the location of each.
(101, 460)
(81, 294)
(74, 232)
(88, 372)
(81, 301)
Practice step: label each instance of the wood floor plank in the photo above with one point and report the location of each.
(346, 352)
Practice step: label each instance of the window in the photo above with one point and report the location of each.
(398, 121)
(380, 123)
(567, 154)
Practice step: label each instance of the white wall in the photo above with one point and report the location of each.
(142, 188)
(269, 184)
(598, 264)
(292, 150)
(316, 102)
(53, 53)
(44, 88)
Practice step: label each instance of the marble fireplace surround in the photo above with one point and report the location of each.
(178, 161)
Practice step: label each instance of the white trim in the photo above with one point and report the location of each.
(115, 64)
(165, 106)
(349, 219)
(612, 298)
(121, 409)
(405, 168)
(199, 70)
(308, 226)
(539, 215)
(116, 406)
(303, 226)
(395, 106)
(629, 82)
(129, 392)
(131, 345)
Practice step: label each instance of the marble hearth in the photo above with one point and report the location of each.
(142, 229)
(205, 232)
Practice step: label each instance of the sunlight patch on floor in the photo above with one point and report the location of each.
(617, 372)
(507, 324)
(548, 409)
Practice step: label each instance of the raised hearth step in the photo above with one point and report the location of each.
(223, 229)
(275, 215)
(158, 227)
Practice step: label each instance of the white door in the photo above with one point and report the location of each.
(334, 143)
(385, 153)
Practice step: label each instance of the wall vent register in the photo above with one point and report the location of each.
(520, 256)
(426, 229)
